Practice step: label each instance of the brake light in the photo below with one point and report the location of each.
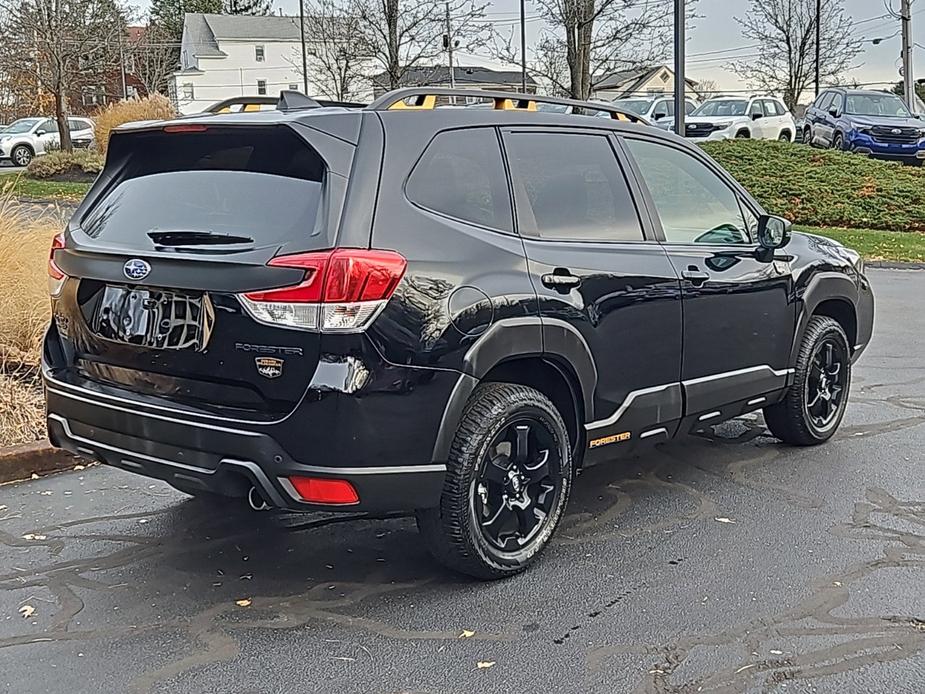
(190, 128)
(319, 490)
(56, 276)
(341, 290)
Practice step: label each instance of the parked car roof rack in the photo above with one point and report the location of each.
(425, 98)
(288, 100)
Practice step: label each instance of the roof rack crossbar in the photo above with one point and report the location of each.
(425, 98)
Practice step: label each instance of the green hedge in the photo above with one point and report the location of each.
(825, 188)
(79, 164)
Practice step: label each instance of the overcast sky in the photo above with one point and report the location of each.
(717, 30)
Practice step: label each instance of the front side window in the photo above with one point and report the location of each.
(755, 109)
(693, 203)
(837, 103)
(571, 187)
(823, 99)
(461, 175)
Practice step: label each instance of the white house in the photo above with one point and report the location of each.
(222, 56)
(644, 81)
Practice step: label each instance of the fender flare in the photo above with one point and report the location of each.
(823, 286)
(514, 338)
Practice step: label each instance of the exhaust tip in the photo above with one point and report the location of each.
(256, 501)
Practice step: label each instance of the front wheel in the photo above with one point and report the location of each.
(21, 155)
(808, 137)
(838, 143)
(814, 405)
(784, 136)
(508, 479)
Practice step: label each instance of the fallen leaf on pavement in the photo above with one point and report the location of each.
(80, 467)
(30, 536)
(722, 519)
(26, 611)
(243, 603)
(466, 634)
(482, 664)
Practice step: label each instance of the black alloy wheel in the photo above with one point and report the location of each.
(518, 485)
(812, 408)
(825, 387)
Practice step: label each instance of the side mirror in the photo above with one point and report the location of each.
(756, 115)
(834, 112)
(39, 133)
(773, 232)
(659, 115)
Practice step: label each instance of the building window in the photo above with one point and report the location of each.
(261, 87)
(258, 54)
(188, 91)
(294, 87)
(665, 77)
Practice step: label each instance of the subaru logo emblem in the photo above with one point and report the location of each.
(693, 127)
(136, 269)
(896, 131)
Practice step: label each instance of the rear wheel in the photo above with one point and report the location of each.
(508, 479)
(814, 405)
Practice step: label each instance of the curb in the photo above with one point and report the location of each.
(39, 458)
(893, 265)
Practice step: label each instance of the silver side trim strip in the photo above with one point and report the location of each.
(615, 417)
(654, 432)
(195, 425)
(709, 415)
(756, 401)
(384, 470)
(739, 372)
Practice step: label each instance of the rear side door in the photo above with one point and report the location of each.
(739, 310)
(773, 123)
(599, 272)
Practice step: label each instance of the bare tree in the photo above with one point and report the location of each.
(153, 57)
(707, 88)
(337, 50)
(785, 30)
(598, 37)
(66, 44)
(407, 34)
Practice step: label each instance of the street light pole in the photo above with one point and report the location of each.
(304, 56)
(523, 48)
(680, 81)
(818, 47)
(908, 81)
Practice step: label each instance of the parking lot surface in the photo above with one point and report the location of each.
(723, 562)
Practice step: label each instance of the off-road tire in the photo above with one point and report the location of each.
(789, 419)
(449, 531)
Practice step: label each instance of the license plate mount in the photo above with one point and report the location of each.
(153, 318)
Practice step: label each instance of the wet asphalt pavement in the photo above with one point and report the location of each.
(720, 563)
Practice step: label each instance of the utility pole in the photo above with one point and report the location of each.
(304, 55)
(680, 81)
(449, 47)
(818, 47)
(908, 81)
(523, 48)
(122, 69)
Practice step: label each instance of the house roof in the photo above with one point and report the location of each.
(204, 31)
(440, 74)
(630, 81)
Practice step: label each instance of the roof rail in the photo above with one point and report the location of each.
(425, 99)
(287, 101)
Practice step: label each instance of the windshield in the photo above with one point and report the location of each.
(638, 106)
(23, 125)
(887, 105)
(722, 107)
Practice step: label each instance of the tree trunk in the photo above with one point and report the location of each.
(64, 133)
(391, 18)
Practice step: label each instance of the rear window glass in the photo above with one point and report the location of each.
(258, 183)
(462, 175)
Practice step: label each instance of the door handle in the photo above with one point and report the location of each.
(695, 276)
(560, 278)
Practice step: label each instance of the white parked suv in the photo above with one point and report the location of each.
(653, 108)
(726, 117)
(27, 138)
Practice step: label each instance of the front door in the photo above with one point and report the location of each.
(597, 272)
(739, 310)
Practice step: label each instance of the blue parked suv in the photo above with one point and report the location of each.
(867, 122)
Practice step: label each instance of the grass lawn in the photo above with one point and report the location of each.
(21, 187)
(908, 246)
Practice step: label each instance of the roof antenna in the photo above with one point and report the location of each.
(290, 100)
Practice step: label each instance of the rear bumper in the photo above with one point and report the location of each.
(219, 458)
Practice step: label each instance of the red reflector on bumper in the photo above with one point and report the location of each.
(319, 490)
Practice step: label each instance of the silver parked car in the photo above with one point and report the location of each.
(27, 138)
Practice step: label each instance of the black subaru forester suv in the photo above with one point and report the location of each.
(442, 310)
